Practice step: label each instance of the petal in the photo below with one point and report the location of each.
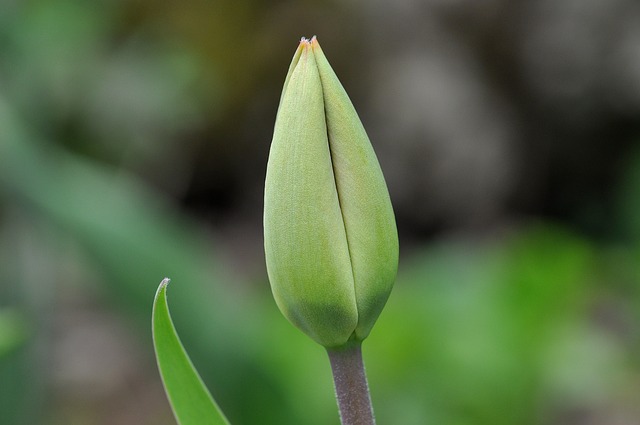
(305, 242)
(364, 200)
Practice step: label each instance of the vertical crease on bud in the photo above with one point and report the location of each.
(368, 219)
(344, 222)
(312, 43)
(340, 203)
(315, 45)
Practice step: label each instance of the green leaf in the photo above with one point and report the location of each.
(190, 400)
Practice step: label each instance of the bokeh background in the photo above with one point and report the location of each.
(133, 144)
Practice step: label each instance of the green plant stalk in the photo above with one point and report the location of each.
(352, 389)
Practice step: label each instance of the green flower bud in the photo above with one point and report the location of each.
(331, 242)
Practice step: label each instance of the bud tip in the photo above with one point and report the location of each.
(309, 41)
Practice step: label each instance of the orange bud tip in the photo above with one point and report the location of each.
(309, 41)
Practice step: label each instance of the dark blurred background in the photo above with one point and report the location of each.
(133, 145)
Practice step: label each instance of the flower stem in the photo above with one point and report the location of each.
(352, 390)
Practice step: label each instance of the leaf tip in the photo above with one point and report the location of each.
(162, 286)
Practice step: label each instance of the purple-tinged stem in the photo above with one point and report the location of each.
(352, 390)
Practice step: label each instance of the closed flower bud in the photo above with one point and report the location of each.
(331, 242)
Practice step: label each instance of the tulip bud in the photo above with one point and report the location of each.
(331, 242)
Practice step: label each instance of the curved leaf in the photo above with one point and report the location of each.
(190, 400)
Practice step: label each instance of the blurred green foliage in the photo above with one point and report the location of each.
(537, 324)
(12, 331)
